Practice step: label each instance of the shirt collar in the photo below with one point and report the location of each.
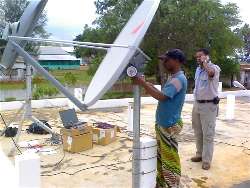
(178, 73)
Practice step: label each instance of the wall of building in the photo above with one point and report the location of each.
(245, 74)
(102, 104)
(16, 75)
(60, 64)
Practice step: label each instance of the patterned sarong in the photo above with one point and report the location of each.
(168, 161)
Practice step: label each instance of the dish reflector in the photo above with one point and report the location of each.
(118, 58)
(22, 28)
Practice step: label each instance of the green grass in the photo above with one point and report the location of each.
(117, 95)
(9, 99)
(82, 79)
(81, 75)
(12, 85)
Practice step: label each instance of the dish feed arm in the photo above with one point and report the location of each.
(30, 60)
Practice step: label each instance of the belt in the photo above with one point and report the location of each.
(205, 101)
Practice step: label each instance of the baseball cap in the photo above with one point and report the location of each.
(175, 54)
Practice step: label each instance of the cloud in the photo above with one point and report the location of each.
(67, 18)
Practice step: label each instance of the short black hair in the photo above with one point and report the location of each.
(176, 54)
(204, 50)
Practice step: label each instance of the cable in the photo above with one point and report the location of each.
(246, 151)
(100, 156)
(10, 137)
(244, 147)
(94, 156)
(64, 154)
(57, 163)
(83, 169)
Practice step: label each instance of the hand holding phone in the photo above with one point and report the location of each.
(204, 59)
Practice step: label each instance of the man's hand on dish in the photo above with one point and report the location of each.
(149, 87)
(139, 80)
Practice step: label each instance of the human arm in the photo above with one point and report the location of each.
(150, 89)
(210, 70)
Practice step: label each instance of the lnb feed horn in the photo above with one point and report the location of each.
(132, 71)
(24, 27)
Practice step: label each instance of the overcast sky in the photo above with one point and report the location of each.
(67, 18)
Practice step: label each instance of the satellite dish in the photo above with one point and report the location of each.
(23, 28)
(238, 85)
(117, 58)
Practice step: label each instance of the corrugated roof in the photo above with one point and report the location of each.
(19, 66)
(68, 49)
(52, 53)
(56, 57)
(52, 50)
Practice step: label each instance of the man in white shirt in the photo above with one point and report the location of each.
(205, 107)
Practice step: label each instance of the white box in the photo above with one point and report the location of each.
(7, 172)
(28, 170)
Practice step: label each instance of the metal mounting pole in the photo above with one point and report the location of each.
(136, 138)
(28, 112)
(30, 60)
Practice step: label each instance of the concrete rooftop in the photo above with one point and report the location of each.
(230, 168)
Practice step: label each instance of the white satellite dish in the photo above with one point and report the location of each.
(22, 28)
(238, 85)
(118, 58)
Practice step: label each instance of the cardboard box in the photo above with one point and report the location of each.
(77, 140)
(104, 136)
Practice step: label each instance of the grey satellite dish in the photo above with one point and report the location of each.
(238, 85)
(118, 58)
(24, 27)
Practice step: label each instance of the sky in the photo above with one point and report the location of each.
(244, 6)
(66, 19)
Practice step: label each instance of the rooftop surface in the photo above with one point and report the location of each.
(52, 50)
(54, 53)
(110, 166)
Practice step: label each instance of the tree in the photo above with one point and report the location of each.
(183, 24)
(12, 10)
(244, 34)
